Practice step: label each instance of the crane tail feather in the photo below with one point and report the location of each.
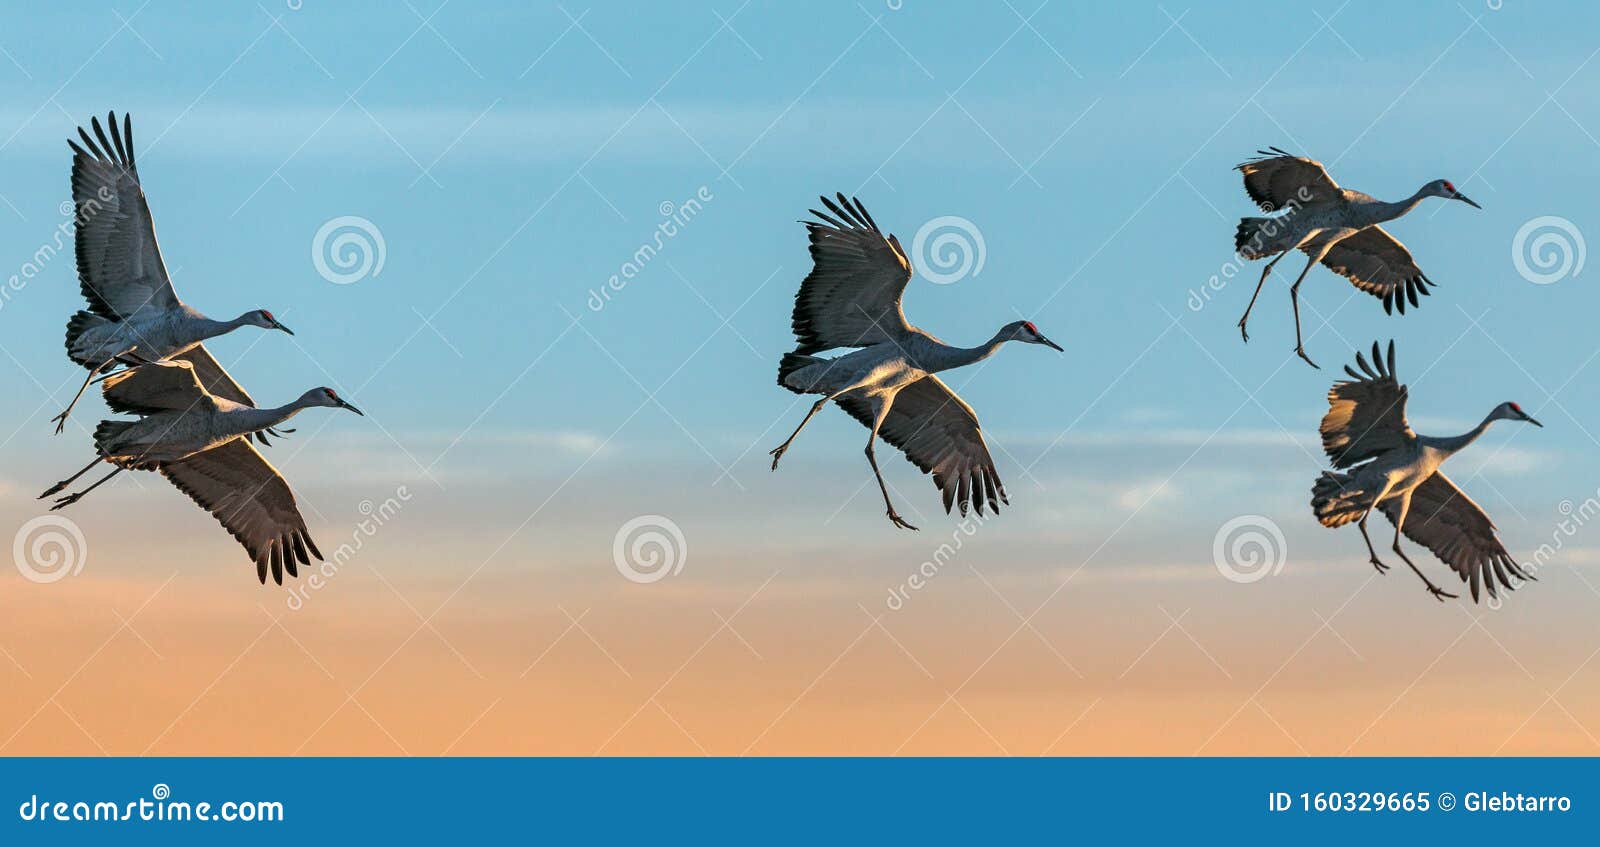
(1336, 502)
(1250, 239)
(107, 434)
(81, 322)
(788, 372)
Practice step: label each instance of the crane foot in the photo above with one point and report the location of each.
(1380, 566)
(60, 421)
(777, 453)
(53, 489)
(1243, 332)
(1439, 593)
(899, 521)
(1301, 352)
(67, 501)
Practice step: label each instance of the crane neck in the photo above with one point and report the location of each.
(210, 328)
(946, 357)
(1451, 445)
(1390, 211)
(250, 420)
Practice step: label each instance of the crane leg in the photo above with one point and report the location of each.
(1294, 299)
(1362, 525)
(94, 376)
(69, 480)
(68, 500)
(777, 452)
(1405, 507)
(105, 376)
(872, 459)
(1376, 563)
(1263, 281)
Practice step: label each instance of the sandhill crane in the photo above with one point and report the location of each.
(199, 442)
(134, 315)
(1335, 226)
(851, 298)
(1397, 471)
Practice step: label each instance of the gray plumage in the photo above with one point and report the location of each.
(199, 442)
(852, 298)
(1385, 465)
(1335, 226)
(134, 314)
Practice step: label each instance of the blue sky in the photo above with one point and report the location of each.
(514, 160)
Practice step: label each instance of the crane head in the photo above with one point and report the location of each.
(1447, 189)
(327, 397)
(1512, 412)
(1026, 331)
(265, 320)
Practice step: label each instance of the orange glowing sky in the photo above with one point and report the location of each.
(442, 636)
(509, 167)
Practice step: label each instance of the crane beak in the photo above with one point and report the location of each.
(1529, 419)
(1051, 344)
(1467, 200)
(345, 405)
(277, 325)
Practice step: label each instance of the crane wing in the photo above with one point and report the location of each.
(157, 387)
(211, 374)
(851, 298)
(1276, 179)
(939, 433)
(120, 270)
(1445, 520)
(218, 383)
(251, 500)
(1377, 263)
(1367, 414)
